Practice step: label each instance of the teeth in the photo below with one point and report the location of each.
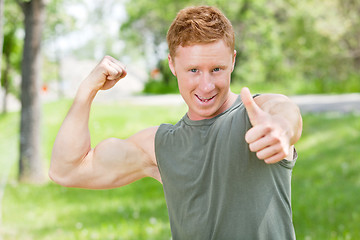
(205, 99)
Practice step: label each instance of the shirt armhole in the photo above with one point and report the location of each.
(289, 164)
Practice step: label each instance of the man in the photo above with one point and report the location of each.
(225, 166)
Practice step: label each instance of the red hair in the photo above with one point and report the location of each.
(199, 25)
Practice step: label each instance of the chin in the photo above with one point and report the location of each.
(204, 114)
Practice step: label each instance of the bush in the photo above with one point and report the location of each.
(159, 87)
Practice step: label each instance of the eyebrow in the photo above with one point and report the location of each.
(223, 66)
(192, 67)
(220, 66)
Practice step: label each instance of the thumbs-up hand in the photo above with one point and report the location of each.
(269, 137)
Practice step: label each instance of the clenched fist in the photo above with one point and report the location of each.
(106, 74)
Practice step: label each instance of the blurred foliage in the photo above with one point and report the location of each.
(102, 19)
(12, 48)
(304, 46)
(158, 87)
(311, 45)
(162, 80)
(58, 23)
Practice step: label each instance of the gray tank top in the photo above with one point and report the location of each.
(215, 187)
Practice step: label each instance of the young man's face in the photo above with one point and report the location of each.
(203, 72)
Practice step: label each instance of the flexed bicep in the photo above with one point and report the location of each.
(112, 163)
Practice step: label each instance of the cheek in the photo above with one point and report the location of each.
(185, 83)
(223, 81)
(183, 88)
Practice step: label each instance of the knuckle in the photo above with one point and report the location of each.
(267, 128)
(102, 65)
(107, 57)
(278, 148)
(275, 138)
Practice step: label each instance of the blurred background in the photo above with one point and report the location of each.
(306, 49)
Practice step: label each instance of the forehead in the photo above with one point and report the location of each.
(217, 51)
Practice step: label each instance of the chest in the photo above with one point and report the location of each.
(197, 155)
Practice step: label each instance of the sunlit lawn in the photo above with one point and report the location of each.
(326, 180)
(325, 193)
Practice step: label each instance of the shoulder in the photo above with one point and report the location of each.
(261, 99)
(144, 140)
(144, 134)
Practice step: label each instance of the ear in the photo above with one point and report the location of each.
(172, 65)
(233, 63)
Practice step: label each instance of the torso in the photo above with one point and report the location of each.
(215, 187)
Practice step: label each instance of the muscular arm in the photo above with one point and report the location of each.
(277, 125)
(113, 162)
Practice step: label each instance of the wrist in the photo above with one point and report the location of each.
(85, 93)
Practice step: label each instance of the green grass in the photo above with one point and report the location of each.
(137, 211)
(325, 189)
(326, 179)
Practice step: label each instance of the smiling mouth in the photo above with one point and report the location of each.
(205, 99)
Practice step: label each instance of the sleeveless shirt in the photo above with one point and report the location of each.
(215, 187)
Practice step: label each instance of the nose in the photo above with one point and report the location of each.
(206, 83)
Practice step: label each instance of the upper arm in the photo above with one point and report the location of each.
(115, 162)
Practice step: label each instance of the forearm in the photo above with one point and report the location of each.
(73, 140)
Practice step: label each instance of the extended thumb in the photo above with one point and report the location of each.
(252, 108)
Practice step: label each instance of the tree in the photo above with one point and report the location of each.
(58, 24)
(146, 27)
(11, 49)
(30, 164)
(1, 43)
(1, 30)
(350, 10)
(148, 23)
(308, 45)
(12, 45)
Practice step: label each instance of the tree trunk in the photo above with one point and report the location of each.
(357, 62)
(30, 165)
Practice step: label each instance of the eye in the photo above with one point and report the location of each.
(216, 69)
(193, 70)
